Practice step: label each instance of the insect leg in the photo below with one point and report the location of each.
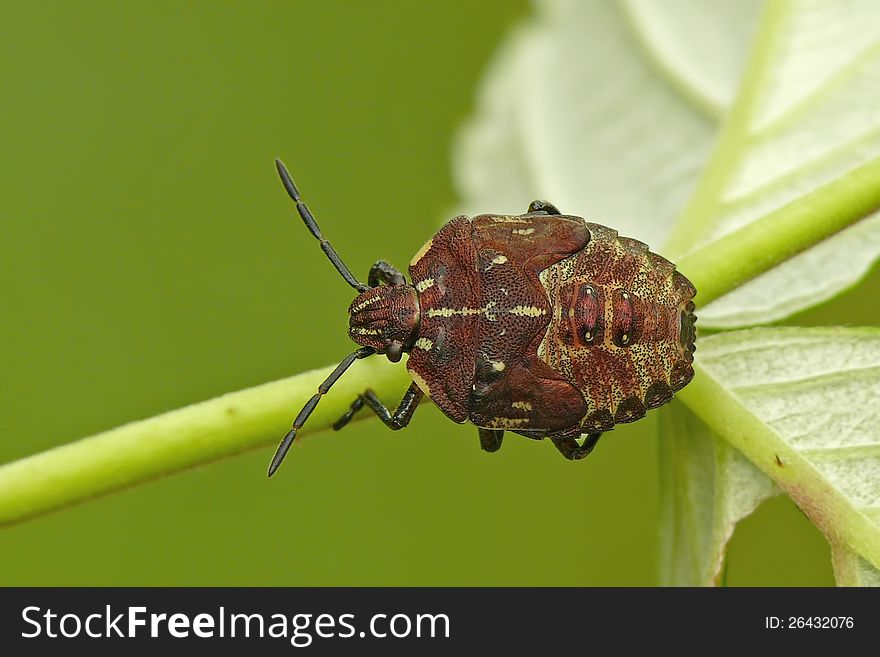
(356, 405)
(312, 225)
(398, 420)
(383, 272)
(533, 434)
(300, 420)
(543, 206)
(566, 442)
(490, 439)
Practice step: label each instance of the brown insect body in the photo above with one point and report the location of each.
(542, 324)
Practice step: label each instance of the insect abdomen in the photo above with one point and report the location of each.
(622, 328)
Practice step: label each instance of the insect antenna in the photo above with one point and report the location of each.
(312, 225)
(306, 411)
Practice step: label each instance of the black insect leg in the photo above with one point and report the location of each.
(566, 443)
(533, 434)
(543, 206)
(490, 439)
(356, 405)
(398, 420)
(383, 272)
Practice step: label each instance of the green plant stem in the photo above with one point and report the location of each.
(823, 504)
(702, 207)
(141, 451)
(725, 264)
(257, 417)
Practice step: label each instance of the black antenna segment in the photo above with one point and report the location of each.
(312, 225)
(300, 420)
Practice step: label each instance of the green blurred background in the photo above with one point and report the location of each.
(151, 259)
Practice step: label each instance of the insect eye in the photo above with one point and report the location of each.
(588, 335)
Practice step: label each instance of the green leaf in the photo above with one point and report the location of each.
(585, 106)
(805, 116)
(706, 487)
(699, 46)
(851, 570)
(801, 404)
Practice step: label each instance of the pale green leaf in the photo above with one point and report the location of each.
(699, 45)
(801, 404)
(851, 570)
(806, 114)
(584, 106)
(707, 486)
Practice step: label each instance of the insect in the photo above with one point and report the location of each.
(542, 324)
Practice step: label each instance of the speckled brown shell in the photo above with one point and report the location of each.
(622, 329)
(542, 322)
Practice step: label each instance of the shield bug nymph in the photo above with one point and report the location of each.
(541, 323)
